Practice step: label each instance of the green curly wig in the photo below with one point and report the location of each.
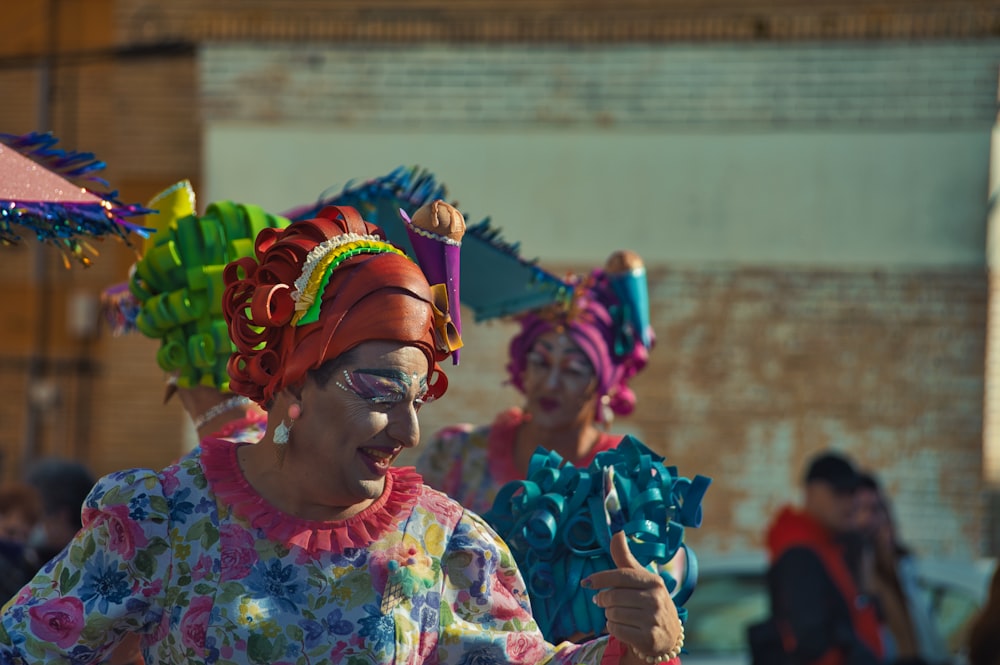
(178, 281)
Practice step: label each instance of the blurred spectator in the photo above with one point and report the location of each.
(818, 614)
(984, 636)
(63, 486)
(50, 501)
(888, 572)
(20, 509)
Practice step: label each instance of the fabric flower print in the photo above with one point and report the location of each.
(446, 510)
(96, 495)
(488, 654)
(103, 584)
(124, 534)
(277, 583)
(59, 620)
(211, 651)
(180, 507)
(237, 552)
(377, 628)
(194, 624)
(8, 657)
(332, 624)
(506, 605)
(426, 611)
(81, 655)
(483, 557)
(205, 506)
(169, 480)
(351, 557)
(153, 589)
(527, 648)
(138, 507)
(251, 612)
(203, 568)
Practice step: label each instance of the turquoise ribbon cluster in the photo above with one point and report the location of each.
(558, 525)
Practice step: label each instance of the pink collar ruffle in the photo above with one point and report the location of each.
(403, 487)
(503, 435)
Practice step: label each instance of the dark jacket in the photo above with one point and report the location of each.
(17, 566)
(818, 616)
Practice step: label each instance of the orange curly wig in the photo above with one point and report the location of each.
(369, 297)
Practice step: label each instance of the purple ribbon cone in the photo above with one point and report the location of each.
(440, 263)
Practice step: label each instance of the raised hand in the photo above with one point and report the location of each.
(637, 604)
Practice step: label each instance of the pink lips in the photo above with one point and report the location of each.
(548, 404)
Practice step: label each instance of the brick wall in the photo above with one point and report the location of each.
(755, 369)
(98, 399)
(553, 20)
(634, 88)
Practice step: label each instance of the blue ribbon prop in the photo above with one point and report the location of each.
(558, 523)
(633, 294)
(496, 280)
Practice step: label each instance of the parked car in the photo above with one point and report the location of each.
(732, 594)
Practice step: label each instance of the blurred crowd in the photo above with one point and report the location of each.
(843, 587)
(39, 516)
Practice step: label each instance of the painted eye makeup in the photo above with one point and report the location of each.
(578, 367)
(539, 358)
(382, 386)
(571, 365)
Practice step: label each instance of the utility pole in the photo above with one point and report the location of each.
(38, 366)
(991, 398)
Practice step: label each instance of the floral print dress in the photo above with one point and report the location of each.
(471, 464)
(207, 571)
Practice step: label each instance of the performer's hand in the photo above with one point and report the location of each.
(127, 652)
(638, 607)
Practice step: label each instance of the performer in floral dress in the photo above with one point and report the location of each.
(309, 546)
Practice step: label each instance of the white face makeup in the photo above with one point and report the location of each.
(352, 428)
(559, 381)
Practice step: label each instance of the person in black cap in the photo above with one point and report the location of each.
(818, 614)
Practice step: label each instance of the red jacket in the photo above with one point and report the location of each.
(820, 614)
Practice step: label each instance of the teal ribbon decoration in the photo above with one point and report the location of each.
(559, 529)
(624, 335)
(633, 294)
